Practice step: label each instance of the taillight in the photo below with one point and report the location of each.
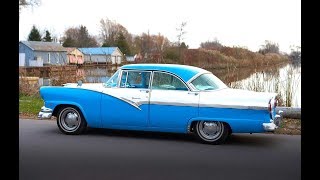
(269, 106)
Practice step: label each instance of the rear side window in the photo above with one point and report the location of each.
(135, 79)
(167, 81)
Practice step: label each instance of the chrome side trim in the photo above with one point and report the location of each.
(45, 113)
(233, 106)
(134, 104)
(195, 76)
(174, 104)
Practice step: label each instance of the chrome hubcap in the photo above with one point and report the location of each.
(210, 130)
(70, 120)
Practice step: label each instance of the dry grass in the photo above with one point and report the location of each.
(27, 86)
(290, 127)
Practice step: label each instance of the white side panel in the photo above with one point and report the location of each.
(235, 98)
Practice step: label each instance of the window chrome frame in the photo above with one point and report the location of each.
(166, 72)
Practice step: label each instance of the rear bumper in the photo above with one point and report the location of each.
(45, 113)
(274, 124)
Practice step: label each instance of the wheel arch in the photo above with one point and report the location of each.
(74, 105)
(193, 122)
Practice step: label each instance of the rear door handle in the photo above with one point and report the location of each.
(194, 93)
(145, 90)
(136, 98)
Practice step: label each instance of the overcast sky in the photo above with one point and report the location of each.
(245, 23)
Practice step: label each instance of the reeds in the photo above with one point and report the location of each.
(285, 84)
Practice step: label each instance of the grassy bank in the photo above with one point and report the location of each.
(29, 106)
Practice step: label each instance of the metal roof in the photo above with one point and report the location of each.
(183, 71)
(44, 46)
(98, 50)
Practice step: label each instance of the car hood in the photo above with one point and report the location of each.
(89, 86)
(236, 98)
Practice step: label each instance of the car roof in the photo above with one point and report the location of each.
(185, 72)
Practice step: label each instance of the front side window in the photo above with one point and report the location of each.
(167, 81)
(135, 79)
(208, 82)
(113, 81)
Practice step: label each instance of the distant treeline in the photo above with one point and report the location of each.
(157, 48)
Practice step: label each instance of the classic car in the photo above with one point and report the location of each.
(164, 98)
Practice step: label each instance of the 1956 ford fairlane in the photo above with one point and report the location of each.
(164, 98)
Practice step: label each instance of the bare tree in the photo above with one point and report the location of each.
(295, 54)
(269, 47)
(181, 32)
(160, 43)
(110, 31)
(215, 45)
(28, 3)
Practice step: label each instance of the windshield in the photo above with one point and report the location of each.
(208, 81)
(113, 81)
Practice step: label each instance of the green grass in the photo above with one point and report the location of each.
(30, 105)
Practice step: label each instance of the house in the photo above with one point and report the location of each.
(130, 58)
(102, 55)
(138, 57)
(74, 56)
(38, 53)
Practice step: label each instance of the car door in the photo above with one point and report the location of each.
(172, 104)
(128, 104)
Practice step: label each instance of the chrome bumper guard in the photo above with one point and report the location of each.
(45, 113)
(274, 124)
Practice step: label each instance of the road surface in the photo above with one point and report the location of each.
(46, 153)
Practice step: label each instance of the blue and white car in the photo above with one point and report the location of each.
(164, 98)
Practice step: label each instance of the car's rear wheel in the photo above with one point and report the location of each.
(71, 121)
(212, 132)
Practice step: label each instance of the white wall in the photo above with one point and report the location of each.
(22, 59)
(36, 63)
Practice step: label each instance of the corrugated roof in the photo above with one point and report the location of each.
(44, 46)
(98, 50)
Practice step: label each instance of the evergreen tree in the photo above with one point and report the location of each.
(79, 37)
(122, 44)
(34, 34)
(47, 38)
(69, 42)
(106, 44)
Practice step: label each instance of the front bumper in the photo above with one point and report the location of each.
(274, 124)
(45, 113)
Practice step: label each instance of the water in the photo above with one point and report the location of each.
(285, 80)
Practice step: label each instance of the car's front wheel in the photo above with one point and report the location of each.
(212, 132)
(70, 121)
